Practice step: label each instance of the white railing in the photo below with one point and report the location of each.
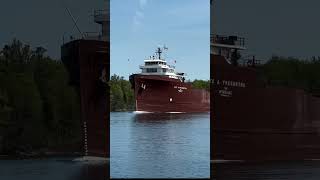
(170, 66)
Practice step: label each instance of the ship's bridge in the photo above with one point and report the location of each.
(158, 66)
(226, 45)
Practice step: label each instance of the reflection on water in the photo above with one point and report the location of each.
(162, 117)
(53, 169)
(99, 171)
(153, 145)
(306, 170)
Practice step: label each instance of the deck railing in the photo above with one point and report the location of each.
(228, 40)
(85, 35)
(101, 15)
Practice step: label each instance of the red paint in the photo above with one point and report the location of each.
(258, 122)
(158, 93)
(85, 61)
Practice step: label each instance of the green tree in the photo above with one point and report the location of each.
(38, 106)
(121, 94)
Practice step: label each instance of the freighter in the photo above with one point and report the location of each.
(252, 120)
(159, 88)
(87, 60)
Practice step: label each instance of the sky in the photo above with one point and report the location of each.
(138, 27)
(43, 23)
(286, 27)
(273, 27)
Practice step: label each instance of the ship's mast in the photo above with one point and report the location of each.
(159, 51)
(102, 17)
(212, 16)
(227, 46)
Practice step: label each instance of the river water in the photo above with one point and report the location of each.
(64, 168)
(156, 146)
(152, 145)
(294, 170)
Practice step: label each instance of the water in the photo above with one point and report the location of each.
(53, 169)
(67, 169)
(306, 170)
(159, 145)
(145, 145)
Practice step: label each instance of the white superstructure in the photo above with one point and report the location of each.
(155, 65)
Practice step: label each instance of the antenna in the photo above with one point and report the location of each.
(165, 47)
(74, 21)
(161, 50)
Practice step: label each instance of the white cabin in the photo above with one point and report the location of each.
(158, 66)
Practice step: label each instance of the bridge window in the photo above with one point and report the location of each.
(151, 70)
(152, 63)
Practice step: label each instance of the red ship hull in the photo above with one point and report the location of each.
(254, 123)
(163, 94)
(85, 61)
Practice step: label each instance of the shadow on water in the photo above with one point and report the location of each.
(266, 170)
(96, 171)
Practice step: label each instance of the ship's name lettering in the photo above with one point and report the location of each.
(228, 83)
(225, 93)
(173, 77)
(179, 87)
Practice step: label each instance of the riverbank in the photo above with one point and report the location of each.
(40, 155)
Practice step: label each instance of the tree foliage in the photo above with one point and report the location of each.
(201, 84)
(38, 109)
(121, 94)
(292, 72)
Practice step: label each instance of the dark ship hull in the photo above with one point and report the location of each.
(163, 94)
(254, 122)
(85, 61)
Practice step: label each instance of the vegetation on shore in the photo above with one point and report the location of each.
(292, 72)
(201, 84)
(38, 109)
(121, 94)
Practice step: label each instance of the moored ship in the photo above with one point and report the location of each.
(159, 88)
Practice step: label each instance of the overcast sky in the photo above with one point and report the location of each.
(281, 27)
(44, 22)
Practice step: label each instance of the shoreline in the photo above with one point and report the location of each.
(36, 155)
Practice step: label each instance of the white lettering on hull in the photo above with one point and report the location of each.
(173, 77)
(180, 88)
(225, 92)
(229, 83)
